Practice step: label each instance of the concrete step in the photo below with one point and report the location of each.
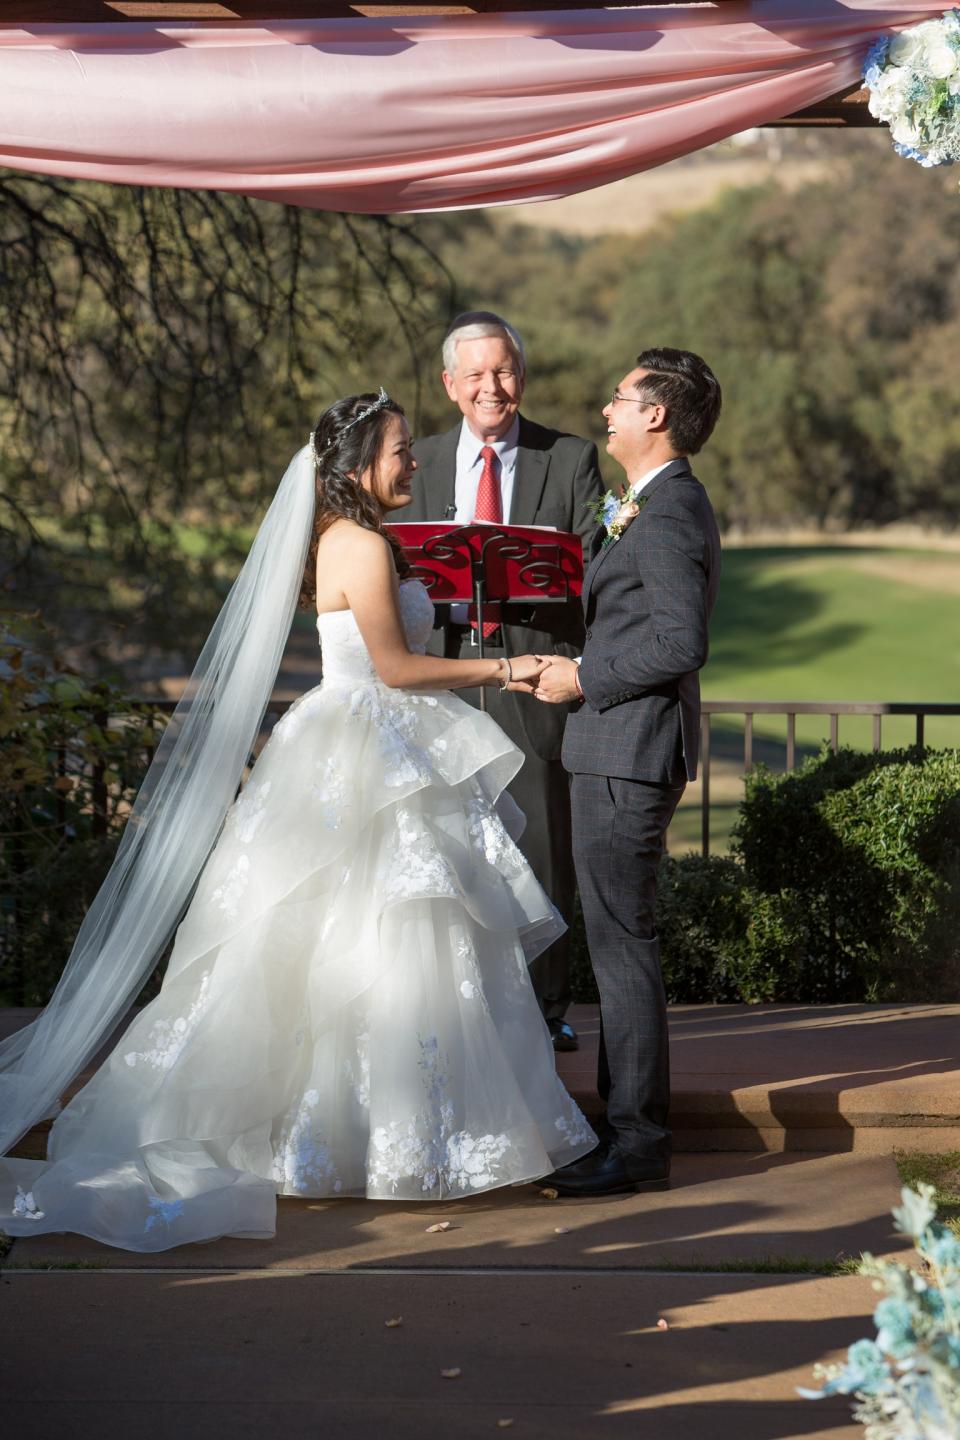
(868, 1078)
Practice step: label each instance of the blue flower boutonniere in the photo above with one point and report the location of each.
(615, 513)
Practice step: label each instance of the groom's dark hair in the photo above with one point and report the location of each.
(688, 388)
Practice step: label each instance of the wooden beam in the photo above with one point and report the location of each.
(846, 109)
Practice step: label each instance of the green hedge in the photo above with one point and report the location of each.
(721, 942)
(869, 845)
(843, 886)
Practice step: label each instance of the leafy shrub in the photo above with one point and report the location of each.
(72, 756)
(844, 885)
(867, 846)
(778, 947)
(719, 941)
(722, 941)
(702, 920)
(710, 948)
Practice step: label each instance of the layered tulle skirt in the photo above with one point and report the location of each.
(347, 1009)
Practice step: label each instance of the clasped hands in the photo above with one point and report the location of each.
(551, 678)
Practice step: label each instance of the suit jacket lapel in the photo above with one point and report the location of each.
(680, 466)
(529, 478)
(591, 574)
(439, 478)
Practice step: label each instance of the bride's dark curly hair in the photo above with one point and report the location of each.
(345, 452)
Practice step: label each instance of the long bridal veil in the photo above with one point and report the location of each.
(175, 820)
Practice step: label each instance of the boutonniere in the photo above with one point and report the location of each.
(616, 512)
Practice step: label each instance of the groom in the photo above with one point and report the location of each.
(634, 742)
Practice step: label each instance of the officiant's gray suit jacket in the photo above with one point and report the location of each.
(556, 481)
(647, 600)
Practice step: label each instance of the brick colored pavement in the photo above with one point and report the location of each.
(722, 1209)
(548, 1308)
(157, 1356)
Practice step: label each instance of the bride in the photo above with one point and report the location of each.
(346, 1010)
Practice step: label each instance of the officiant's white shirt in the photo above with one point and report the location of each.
(470, 466)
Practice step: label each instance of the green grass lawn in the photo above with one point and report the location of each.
(686, 829)
(824, 623)
(837, 623)
(942, 1171)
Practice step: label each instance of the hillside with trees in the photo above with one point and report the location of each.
(162, 354)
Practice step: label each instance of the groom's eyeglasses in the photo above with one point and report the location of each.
(630, 398)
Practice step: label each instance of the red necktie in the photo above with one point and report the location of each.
(489, 508)
(488, 505)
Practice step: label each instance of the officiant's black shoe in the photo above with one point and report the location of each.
(564, 1036)
(604, 1172)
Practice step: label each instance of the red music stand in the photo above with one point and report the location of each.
(484, 564)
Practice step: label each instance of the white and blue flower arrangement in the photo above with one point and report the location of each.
(907, 1381)
(914, 83)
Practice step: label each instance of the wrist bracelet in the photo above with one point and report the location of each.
(509, 678)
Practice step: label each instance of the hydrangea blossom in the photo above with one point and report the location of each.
(907, 1381)
(914, 83)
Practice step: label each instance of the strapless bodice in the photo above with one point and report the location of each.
(346, 657)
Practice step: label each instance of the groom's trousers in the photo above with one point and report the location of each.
(619, 829)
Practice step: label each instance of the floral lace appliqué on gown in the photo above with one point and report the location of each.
(428, 1149)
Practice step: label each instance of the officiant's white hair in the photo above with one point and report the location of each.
(481, 325)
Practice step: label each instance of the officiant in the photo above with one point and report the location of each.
(497, 465)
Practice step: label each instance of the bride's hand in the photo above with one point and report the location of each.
(525, 672)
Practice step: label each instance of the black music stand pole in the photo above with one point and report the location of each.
(479, 597)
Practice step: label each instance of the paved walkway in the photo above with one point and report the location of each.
(747, 1210)
(158, 1356)
(548, 1309)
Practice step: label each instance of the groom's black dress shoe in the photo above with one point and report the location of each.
(564, 1036)
(604, 1172)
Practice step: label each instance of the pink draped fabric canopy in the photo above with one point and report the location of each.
(424, 113)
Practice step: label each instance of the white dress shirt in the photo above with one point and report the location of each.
(470, 466)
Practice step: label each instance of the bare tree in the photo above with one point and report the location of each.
(160, 353)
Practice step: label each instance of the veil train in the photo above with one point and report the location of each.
(176, 818)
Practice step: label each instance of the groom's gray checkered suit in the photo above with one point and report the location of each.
(631, 747)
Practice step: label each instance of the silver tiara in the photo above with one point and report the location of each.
(382, 399)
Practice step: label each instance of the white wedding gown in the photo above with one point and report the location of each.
(347, 1009)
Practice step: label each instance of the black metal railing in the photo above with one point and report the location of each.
(834, 709)
(746, 709)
